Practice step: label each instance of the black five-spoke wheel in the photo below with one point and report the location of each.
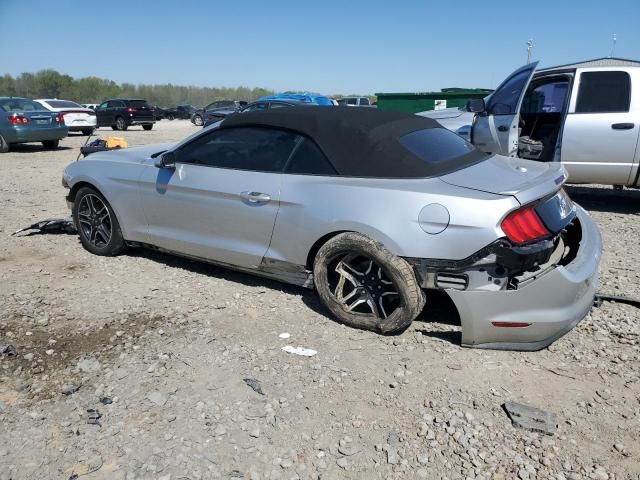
(96, 223)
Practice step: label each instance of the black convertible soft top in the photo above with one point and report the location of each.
(361, 142)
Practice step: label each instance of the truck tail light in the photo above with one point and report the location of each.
(18, 119)
(523, 226)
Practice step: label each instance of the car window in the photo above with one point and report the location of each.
(137, 103)
(255, 106)
(19, 105)
(352, 101)
(604, 92)
(279, 105)
(364, 101)
(547, 98)
(103, 105)
(308, 159)
(63, 104)
(504, 100)
(436, 145)
(243, 148)
(342, 101)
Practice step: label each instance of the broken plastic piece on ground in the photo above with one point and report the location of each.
(530, 418)
(305, 352)
(94, 416)
(284, 335)
(255, 385)
(8, 350)
(51, 226)
(600, 297)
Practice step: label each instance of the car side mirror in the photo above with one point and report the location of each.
(476, 105)
(166, 160)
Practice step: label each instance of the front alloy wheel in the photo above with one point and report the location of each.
(96, 222)
(197, 120)
(365, 285)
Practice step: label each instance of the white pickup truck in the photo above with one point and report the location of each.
(585, 116)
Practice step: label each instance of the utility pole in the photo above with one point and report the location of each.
(613, 47)
(529, 48)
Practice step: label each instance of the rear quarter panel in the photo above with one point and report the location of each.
(386, 210)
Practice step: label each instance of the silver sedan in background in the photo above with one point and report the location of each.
(374, 209)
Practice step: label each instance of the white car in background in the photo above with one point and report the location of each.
(76, 117)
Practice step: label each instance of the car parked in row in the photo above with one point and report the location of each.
(76, 117)
(218, 109)
(585, 118)
(311, 196)
(25, 121)
(354, 102)
(181, 112)
(122, 113)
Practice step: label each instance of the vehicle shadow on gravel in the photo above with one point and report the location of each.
(606, 199)
(29, 148)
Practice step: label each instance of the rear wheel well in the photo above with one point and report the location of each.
(311, 256)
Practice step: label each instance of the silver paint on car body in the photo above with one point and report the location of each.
(434, 218)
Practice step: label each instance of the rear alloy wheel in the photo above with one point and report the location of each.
(366, 286)
(4, 146)
(147, 127)
(51, 144)
(197, 121)
(121, 124)
(96, 222)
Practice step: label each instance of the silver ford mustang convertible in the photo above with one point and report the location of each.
(374, 209)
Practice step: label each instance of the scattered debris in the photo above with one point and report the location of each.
(70, 389)
(600, 297)
(455, 366)
(8, 350)
(529, 418)
(94, 416)
(88, 365)
(106, 400)
(255, 385)
(52, 226)
(284, 335)
(305, 352)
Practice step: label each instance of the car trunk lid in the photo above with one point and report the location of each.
(525, 180)
(39, 118)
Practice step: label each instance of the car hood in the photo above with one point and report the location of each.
(130, 154)
(526, 180)
(444, 113)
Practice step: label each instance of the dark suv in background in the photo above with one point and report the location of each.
(121, 113)
(219, 109)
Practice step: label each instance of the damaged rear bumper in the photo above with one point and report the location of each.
(537, 312)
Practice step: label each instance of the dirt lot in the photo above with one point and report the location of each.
(161, 348)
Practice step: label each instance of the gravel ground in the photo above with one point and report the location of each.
(147, 366)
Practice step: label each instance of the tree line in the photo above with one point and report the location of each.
(52, 84)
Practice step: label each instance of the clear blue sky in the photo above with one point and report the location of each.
(327, 46)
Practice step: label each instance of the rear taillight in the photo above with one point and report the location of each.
(59, 118)
(18, 119)
(523, 226)
(131, 110)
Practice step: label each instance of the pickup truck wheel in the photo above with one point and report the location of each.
(51, 144)
(4, 146)
(147, 127)
(365, 286)
(120, 124)
(97, 224)
(197, 121)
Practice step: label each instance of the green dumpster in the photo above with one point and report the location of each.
(421, 101)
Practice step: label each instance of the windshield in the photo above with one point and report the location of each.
(63, 104)
(323, 101)
(138, 103)
(20, 105)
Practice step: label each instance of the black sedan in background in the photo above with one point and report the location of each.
(216, 110)
(181, 112)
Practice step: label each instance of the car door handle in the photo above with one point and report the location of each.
(255, 197)
(623, 126)
(503, 128)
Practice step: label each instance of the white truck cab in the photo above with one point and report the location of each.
(585, 115)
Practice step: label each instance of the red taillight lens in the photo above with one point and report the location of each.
(59, 118)
(131, 110)
(18, 119)
(523, 226)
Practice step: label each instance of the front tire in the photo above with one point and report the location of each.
(51, 144)
(96, 223)
(147, 127)
(121, 124)
(365, 286)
